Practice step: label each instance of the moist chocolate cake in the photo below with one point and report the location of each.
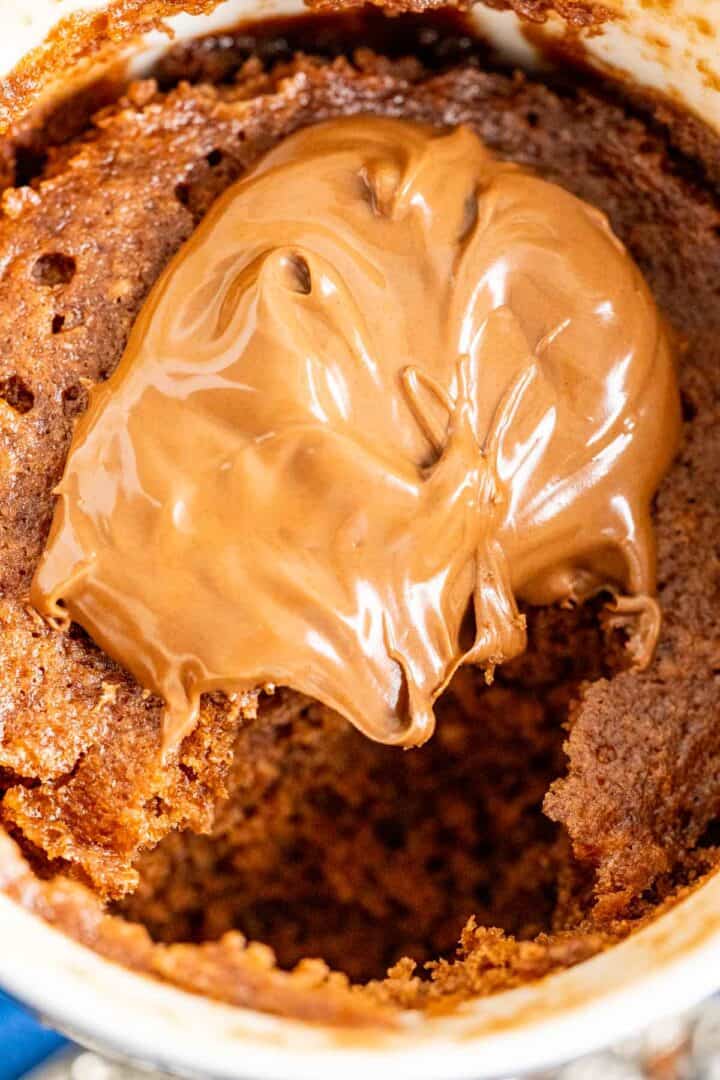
(552, 811)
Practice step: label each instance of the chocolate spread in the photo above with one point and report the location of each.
(390, 386)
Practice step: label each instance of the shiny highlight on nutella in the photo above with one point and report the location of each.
(389, 387)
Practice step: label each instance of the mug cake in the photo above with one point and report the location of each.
(360, 520)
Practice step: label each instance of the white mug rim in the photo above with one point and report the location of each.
(663, 969)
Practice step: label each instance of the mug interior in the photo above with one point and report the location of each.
(665, 968)
(662, 970)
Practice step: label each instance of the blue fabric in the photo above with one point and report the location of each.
(23, 1042)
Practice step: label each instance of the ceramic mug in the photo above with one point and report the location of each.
(662, 970)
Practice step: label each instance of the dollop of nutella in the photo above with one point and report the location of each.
(390, 386)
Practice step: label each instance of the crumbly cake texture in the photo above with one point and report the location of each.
(82, 38)
(276, 820)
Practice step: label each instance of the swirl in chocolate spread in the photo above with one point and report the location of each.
(389, 387)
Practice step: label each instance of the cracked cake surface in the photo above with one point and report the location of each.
(553, 811)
